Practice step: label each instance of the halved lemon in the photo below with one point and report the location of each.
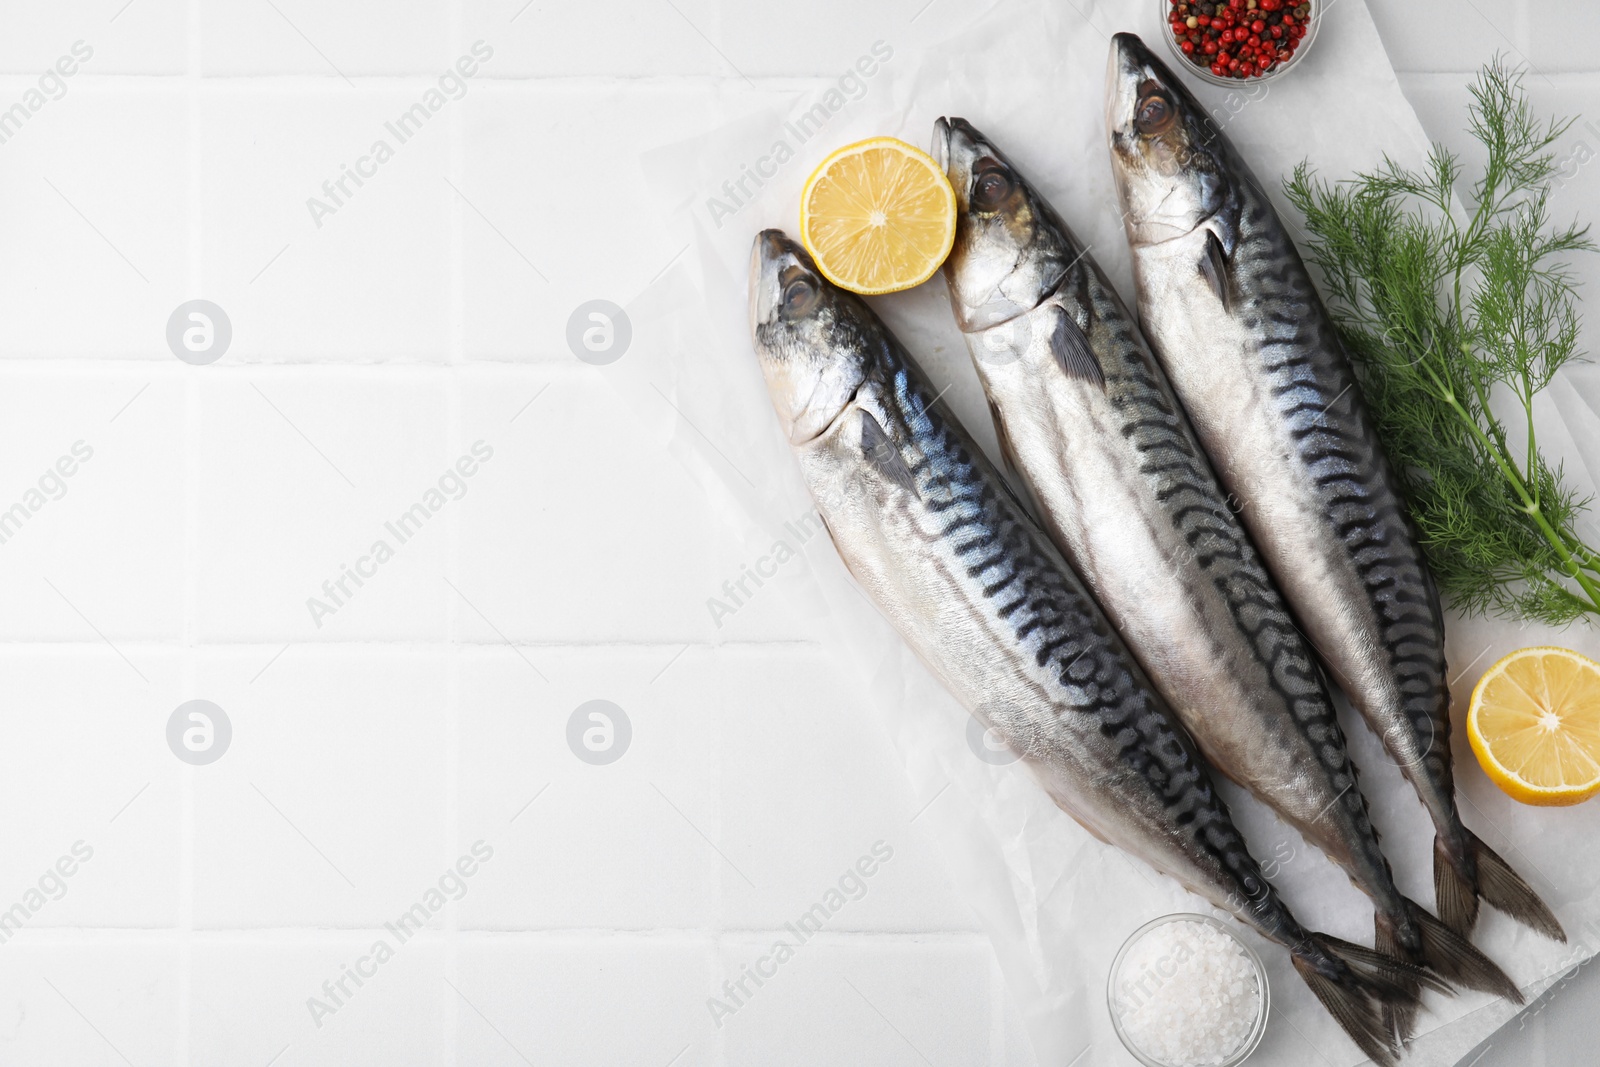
(1534, 725)
(878, 216)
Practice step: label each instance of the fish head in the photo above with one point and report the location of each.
(1166, 153)
(1011, 250)
(807, 334)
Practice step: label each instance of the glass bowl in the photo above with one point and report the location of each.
(1203, 72)
(1117, 1005)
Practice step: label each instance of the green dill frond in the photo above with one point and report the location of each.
(1444, 306)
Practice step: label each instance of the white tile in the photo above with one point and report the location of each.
(575, 841)
(607, 37)
(890, 1002)
(329, 808)
(338, 41)
(546, 227)
(142, 37)
(599, 1001)
(92, 482)
(102, 848)
(629, 547)
(90, 1000)
(251, 1002)
(727, 42)
(366, 283)
(302, 473)
(814, 796)
(96, 242)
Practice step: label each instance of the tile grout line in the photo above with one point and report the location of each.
(450, 1015)
(191, 527)
(718, 753)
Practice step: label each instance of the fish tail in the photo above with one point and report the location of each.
(1393, 936)
(1429, 943)
(1455, 892)
(1364, 991)
(1459, 881)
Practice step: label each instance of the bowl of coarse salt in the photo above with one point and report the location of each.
(1184, 991)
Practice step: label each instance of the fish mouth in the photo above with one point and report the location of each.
(771, 251)
(1131, 64)
(956, 143)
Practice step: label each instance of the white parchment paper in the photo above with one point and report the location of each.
(1058, 904)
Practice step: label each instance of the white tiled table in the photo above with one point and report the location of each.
(429, 711)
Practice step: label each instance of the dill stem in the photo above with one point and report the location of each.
(1529, 504)
(1527, 407)
(1588, 559)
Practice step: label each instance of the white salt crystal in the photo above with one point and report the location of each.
(1187, 995)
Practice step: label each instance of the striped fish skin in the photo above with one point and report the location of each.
(1232, 314)
(1131, 501)
(935, 538)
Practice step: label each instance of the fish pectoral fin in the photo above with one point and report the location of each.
(1012, 477)
(882, 453)
(1214, 265)
(1070, 346)
(1008, 455)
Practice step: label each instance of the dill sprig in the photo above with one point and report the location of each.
(1450, 314)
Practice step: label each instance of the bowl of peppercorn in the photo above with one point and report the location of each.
(1228, 41)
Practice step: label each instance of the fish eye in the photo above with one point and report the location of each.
(991, 187)
(798, 296)
(1155, 114)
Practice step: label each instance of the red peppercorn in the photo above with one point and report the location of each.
(1237, 38)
